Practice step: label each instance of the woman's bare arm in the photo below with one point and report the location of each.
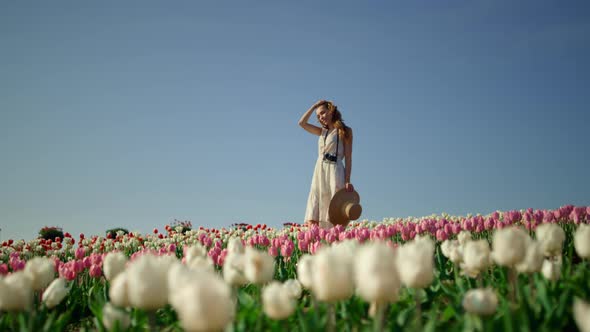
(308, 126)
(348, 156)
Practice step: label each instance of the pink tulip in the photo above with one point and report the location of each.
(80, 253)
(287, 249)
(67, 273)
(207, 242)
(548, 216)
(221, 257)
(97, 258)
(314, 247)
(172, 248)
(303, 245)
(578, 214)
(17, 264)
(263, 240)
(79, 266)
(342, 236)
(441, 235)
(3, 269)
(273, 251)
(95, 271)
(87, 262)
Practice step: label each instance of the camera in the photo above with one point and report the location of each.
(330, 157)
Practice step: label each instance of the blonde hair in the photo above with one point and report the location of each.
(343, 129)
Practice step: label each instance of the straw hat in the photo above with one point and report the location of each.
(344, 207)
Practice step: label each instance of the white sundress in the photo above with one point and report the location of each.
(328, 177)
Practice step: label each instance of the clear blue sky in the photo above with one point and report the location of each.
(133, 113)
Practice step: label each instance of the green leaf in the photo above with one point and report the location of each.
(448, 314)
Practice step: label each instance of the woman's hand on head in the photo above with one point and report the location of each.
(318, 103)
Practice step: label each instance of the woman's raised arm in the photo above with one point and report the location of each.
(308, 126)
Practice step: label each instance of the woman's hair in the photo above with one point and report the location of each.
(343, 130)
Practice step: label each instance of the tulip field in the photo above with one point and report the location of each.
(521, 270)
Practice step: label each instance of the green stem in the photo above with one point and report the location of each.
(331, 318)
(512, 283)
(532, 286)
(379, 317)
(153, 323)
(418, 310)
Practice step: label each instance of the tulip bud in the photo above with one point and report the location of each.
(480, 301)
(464, 237)
(277, 303)
(55, 293)
(581, 310)
(293, 288)
(203, 303)
(258, 266)
(147, 281)
(233, 269)
(376, 274)
(114, 263)
(332, 278)
(476, 257)
(118, 292)
(16, 292)
(415, 263)
(41, 271)
(235, 245)
(111, 316)
(551, 269)
(533, 259)
(551, 238)
(304, 271)
(509, 246)
(582, 241)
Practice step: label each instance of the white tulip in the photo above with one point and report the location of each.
(476, 257)
(196, 250)
(233, 269)
(41, 271)
(277, 303)
(581, 310)
(533, 259)
(16, 292)
(293, 288)
(551, 237)
(235, 245)
(582, 241)
(509, 246)
(480, 301)
(304, 270)
(118, 293)
(204, 303)
(114, 263)
(55, 293)
(415, 263)
(259, 266)
(552, 269)
(147, 281)
(464, 237)
(201, 263)
(332, 277)
(452, 250)
(376, 274)
(111, 315)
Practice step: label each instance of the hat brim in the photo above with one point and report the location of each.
(339, 200)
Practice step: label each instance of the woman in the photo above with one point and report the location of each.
(330, 174)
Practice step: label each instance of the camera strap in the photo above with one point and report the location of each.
(337, 141)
